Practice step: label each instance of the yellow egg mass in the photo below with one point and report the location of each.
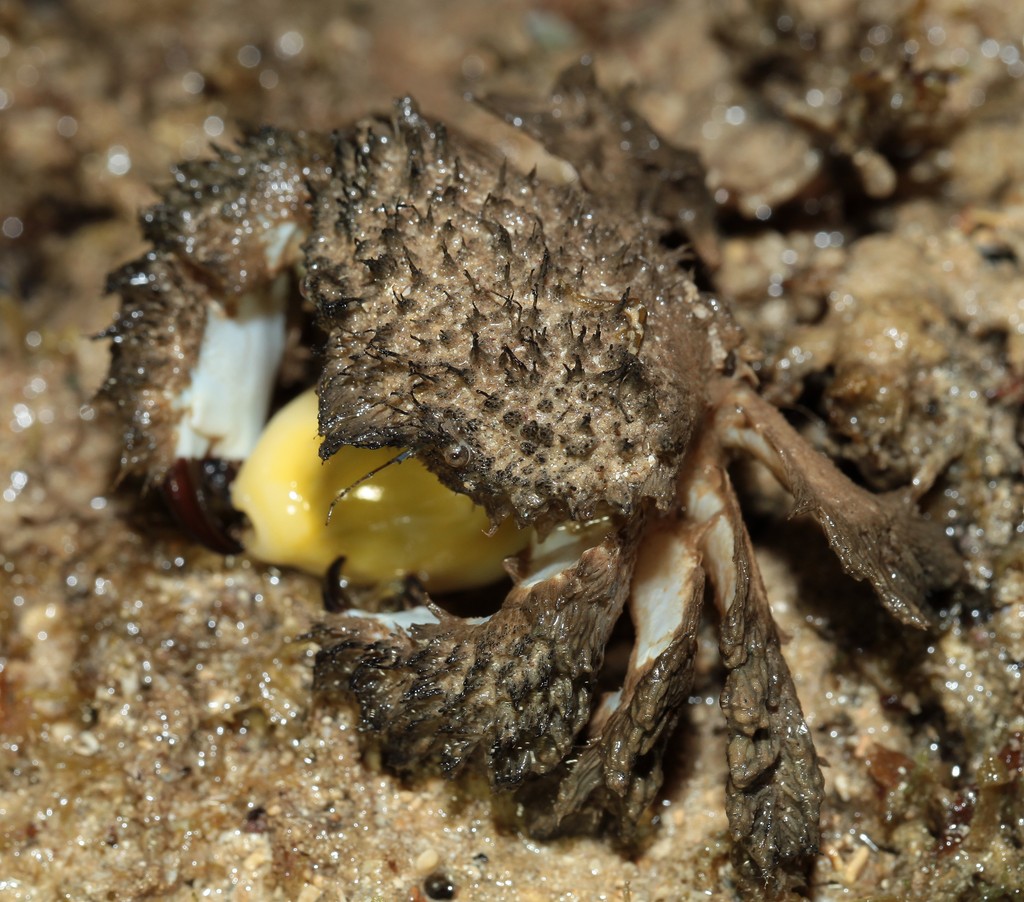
(400, 521)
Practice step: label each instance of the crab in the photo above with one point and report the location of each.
(543, 350)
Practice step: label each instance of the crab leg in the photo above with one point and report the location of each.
(619, 771)
(878, 538)
(617, 153)
(775, 787)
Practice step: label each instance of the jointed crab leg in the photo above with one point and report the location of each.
(878, 538)
(775, 787)
(619, 771)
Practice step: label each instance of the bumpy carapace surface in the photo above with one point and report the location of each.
(542, 350)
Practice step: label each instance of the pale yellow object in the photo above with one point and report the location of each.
(401, 521)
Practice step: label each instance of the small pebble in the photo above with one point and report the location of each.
(427, 861)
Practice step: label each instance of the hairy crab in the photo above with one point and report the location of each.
(543, 350)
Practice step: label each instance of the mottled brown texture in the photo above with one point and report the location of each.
(155, 338)
(618, 772)
(620, 158)
(206, 243)
(847, 82)
(117, 783)
(775, 787)
(878, 538)
(542, 350)
(511, 693)
(535, 351)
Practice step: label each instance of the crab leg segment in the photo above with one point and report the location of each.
(620, 770)
(878, 538)
(775, 787)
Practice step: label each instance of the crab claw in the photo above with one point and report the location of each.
(512, 689)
